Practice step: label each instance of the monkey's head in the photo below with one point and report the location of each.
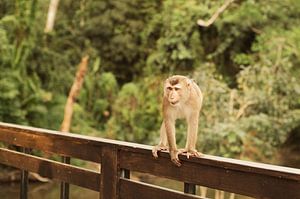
(177, 89)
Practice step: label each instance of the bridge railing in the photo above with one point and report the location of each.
(117, 159)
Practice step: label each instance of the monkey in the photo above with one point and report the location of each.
(182, 99)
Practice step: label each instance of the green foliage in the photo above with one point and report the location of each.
(246, 63)
(135, 113)
(22, 98)
(173, 32)
(113, 27)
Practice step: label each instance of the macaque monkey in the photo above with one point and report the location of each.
(182, 99)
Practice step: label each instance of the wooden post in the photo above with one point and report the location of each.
(189, 188)
(65, 187)
(125, 173)
(24, 180)
(109, 173)
(24, 184)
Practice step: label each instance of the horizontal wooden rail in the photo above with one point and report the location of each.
(237, 176)
(51, 169)
(251, 179)
(134, 190)
(51, 141)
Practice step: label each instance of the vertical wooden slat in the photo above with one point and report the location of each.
(24, 180)
(189, 188)
(24, 184)
(65, 187)
(125, 173)
(109, 173)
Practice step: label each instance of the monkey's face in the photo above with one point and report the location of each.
(173, 94)
(176, 92)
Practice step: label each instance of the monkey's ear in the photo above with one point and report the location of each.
(166, 81)
(188, 82)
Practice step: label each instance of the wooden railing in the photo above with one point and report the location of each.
(118, 158)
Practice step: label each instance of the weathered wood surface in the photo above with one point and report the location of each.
(137, 190)
(251, 179)
(51, 169)
(50, 141)
(24, 179)
(246, 178)
(109, 173)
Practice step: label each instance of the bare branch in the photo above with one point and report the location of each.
(65, 127)
(280, 43)
(215, 16)
(51, 15)
(231, 101)
(257, 31)
(243, 109)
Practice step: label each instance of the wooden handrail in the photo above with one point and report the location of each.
(237, 176)
(51, 169)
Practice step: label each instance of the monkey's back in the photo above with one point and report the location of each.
(196, 91)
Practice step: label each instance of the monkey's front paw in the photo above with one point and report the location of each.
(189, 153)
(154, 152)
(174, 158)
(158, 148)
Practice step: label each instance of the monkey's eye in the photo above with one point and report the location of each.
(169, 88)
(177, 89)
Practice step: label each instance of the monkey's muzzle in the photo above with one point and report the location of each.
(174, 103)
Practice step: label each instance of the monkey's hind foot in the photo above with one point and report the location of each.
(189, 153)
(158, 148)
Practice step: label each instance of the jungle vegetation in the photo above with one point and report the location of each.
(247, 64)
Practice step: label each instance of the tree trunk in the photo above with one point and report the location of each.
(51, 15)
(65, 127)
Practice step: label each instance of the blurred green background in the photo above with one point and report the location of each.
(247, 64)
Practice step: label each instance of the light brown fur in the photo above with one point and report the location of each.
(182, 99)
